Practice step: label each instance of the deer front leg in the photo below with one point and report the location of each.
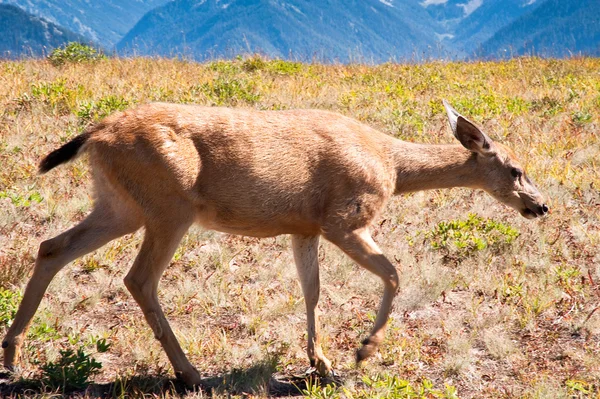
(100, 227)
(362, 249)
(160, 243)
(306, 256)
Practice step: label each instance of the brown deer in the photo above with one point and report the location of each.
(307, 173)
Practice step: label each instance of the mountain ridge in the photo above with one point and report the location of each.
(101, 21)
(27, 35)
(371, 31)
(281, 29)
(575, 31)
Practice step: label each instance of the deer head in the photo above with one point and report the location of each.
(502, 176)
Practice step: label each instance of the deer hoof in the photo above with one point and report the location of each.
(10, 370)
(322, 366)
(191, 378)
(11, 356)
(367, 350)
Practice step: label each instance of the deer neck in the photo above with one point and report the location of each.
(425, 167)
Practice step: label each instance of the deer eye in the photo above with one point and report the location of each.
(516, 173)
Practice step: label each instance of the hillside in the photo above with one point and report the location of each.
(491, 305)
(357, 30)
(554, 29)
(467, 24)
(23, 34)
(488, 19)
(101, 21)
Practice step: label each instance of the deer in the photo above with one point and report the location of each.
(306, 173)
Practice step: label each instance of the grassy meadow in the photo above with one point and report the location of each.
(491, 305)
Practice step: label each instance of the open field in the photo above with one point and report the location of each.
(491, 305)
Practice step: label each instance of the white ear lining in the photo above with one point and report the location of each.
(452, 115)
(486, 144)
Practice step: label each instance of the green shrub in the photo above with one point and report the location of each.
(231, 91)
(284, 67)
(252, 64)
(277, 66)
(58, 95)
(224, 67)
(462, 238)
(70, 372)
(95, 110)
(74, 52)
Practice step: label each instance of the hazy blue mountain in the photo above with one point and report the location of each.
(486, 20)
(468, 23)
(445, 11)
(344, 30)
(101, 21)
(325, 30)
(23, 34)
(556, 28)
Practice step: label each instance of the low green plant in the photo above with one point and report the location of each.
(59, 95)
(393, 387)
(283, 67)
(380, 386)
(42, 331)
(254, 64)
(581, 117)
(9, 302)
(74, 52)
(517, 106)
(70, 372)
(314, 390)
(231, 91)
(22, 200)
(224, 67)
(102, 346)
(95, 110)
(578, 388)
(547, 106)
(466, 237)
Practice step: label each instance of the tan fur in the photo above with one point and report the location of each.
(304, 172)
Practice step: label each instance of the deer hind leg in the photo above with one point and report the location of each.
(306, 256)
(361, 248)
(102, 225)
(159, 245)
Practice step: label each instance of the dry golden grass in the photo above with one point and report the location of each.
(515, 320)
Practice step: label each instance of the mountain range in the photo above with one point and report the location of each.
(23, 34)
(574, 29)
(101, 21)
(467, 24)
(370, 31)
(328, 30)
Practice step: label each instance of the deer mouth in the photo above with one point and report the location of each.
(534, 213)
(529, 214)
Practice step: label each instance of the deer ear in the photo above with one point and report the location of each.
(469, 135)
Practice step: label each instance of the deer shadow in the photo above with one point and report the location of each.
(258, 379)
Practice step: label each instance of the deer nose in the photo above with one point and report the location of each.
(543, 209)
